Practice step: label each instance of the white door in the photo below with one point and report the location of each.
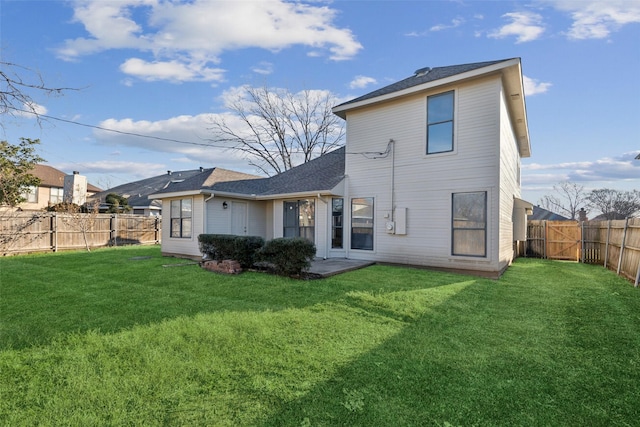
(239, 218)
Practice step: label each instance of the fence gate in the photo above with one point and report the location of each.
(563, 240)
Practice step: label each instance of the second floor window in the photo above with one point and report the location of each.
(56, 195)
(440, 123)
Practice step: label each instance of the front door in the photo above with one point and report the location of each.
(239, 218)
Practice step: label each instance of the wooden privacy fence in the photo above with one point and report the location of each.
(613, 244)
(24, 232)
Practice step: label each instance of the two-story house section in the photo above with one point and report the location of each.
(433, 168)
(429, 176)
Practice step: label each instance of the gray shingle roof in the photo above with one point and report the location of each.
(320, 174)
(432, 74)
(542, 213)
(138, 191)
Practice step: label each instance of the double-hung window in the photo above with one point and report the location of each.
(31, 194)
(181, 212)
(469, 224)
(56, 195)
(440, 122)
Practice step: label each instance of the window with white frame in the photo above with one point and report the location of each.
(440, 109)
(181, 212)
(362, 223)
(299, 219)
(30, 195)
(469, 224)
(56, 195)
(337, 206)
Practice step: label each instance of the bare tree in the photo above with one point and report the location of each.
(276, 129)
(80, 218)
(16, 82)
(567, 200)
(614, 204)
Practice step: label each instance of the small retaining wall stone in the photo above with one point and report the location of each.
(226, 266)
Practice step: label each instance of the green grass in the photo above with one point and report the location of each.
(108, 338)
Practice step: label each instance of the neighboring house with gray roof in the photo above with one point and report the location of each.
(137, 192)
(429, 176)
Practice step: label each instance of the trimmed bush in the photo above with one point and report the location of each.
(220, 247)
(289, 257)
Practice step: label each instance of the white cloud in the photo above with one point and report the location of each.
(189, 132)
(170, 70)
(533, 86)
(361, 82)
(263, 67)
(454, 24)
(31, 110)
(184, 38)
(621, 168)
(597, 19)
(525, 26)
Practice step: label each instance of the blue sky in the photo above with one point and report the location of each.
(164, 69)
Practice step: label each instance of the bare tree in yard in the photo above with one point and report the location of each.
(567, 200)
(14, 90)
(80, 218)
(276, 129)
(615, 204)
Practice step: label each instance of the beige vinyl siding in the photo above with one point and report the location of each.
(424, 183)
(187, 246)
(509, 182)
(219, 219)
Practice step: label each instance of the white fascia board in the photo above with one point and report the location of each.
(426, 86)
(514, 86)
(178, 194)
(302, 194)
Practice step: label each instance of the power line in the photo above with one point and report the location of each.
(118, 131)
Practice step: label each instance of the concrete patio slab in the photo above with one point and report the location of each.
(332, 266)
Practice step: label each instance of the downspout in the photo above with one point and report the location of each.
(393, 178)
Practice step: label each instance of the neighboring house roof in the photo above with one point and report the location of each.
(429, 78)
(542, 213)
(321, 174)
(52, 177)
(137, 192)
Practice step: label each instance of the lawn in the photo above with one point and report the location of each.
(126, 337)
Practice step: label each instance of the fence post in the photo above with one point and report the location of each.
(624, 235)
(157, 233)
(54, 231)
(544, 240)
(582, 245)
(606, 246)
(113, 232)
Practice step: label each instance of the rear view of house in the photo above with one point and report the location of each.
(429, 176)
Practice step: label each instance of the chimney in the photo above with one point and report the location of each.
(582, 215)
(76, 173)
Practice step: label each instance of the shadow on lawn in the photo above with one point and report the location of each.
(470, 361)
(132, 289)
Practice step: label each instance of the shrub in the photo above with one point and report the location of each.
(289, 257)
(224, 246)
